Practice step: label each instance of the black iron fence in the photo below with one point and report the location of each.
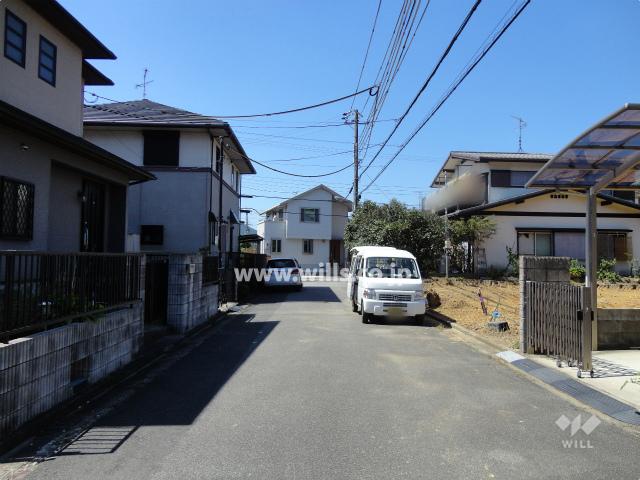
(210, 269)
(41, 289)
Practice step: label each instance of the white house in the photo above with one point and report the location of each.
(58, 192)
(531, 221)
(309, 227)
(181, 211)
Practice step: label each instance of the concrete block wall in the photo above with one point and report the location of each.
(190, 303)
(40, 371)
(618, 328)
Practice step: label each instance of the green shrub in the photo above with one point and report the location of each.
(577, 270)
(606, 272)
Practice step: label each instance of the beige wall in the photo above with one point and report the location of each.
(60, 105)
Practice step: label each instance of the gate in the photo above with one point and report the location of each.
(156, 286)
(554, 323)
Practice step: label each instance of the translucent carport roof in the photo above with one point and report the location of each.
(606, 155)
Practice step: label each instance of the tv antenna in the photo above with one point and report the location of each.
(144, 83)
(521, 124)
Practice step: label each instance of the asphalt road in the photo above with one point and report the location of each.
(296, 387)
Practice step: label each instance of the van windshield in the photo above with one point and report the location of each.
(392, 267)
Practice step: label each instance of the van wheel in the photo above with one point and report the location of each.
(366, 317)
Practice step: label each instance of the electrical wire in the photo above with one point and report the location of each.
(450, 92)
(426, 83)
(366, 55)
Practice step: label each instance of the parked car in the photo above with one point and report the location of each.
(283, 272)
(385, 281)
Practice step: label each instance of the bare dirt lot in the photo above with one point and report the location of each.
(461, 304)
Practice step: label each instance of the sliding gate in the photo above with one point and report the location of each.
(555, 325)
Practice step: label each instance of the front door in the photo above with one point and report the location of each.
(92, 217)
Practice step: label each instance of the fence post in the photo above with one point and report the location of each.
(587, 316)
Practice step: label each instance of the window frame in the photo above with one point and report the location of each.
(501, 178)
(23, 47)
(30, 210)
(535, 233)
(159, 229)
(316, 215)
(278, 242)
(306, 242)
(53, 71)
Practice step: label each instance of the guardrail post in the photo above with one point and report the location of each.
(587, 315)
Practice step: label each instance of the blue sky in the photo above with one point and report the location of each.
(562, 66)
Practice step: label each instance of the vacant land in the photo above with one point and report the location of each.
(460, 303)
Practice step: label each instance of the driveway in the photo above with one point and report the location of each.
(296, 387)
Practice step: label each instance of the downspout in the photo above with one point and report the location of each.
(209, 231)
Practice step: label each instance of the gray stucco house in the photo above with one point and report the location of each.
(198, 162)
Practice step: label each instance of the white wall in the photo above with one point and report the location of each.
(505, 235)
(60, 105)
(315, 199)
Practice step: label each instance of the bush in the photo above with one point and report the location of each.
(577, 270)
(433, 299)
(606, 272)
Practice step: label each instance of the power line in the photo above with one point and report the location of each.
(372, 92)
(318, 125)
(426, 83)
(366, 55)
(450, 92)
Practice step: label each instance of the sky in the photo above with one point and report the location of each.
(562, 66)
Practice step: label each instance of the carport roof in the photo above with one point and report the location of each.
(606, 155)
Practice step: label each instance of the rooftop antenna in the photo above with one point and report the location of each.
(521, 124)
(144, 83)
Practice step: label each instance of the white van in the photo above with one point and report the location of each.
(385, 281)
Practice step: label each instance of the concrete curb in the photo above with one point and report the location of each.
(87, 398)
(556, 382)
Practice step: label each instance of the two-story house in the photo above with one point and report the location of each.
(309, 226)
(530, 221)
(198, 162)
(58, 192)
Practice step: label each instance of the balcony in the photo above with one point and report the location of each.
(467, 190)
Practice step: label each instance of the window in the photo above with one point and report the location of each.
(392, 267)
(161, 148)
(47, 61)
(510, 178)
(534, 243)
(613, 246)
(282, 263)
(309, 215)
(279, 215)
(276, 246)
(628, 195)
(16, 209)
(151, 234)
(218, 153)
(307, 246)
(15, 38)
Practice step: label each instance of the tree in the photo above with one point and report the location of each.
(466, 235)
(395, 225)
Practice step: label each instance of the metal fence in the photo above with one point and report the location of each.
(41, 289)
(554, 315)
(210, 269)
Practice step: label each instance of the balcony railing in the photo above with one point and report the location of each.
(467, 190)
(38, 290)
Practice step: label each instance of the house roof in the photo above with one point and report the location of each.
(478, 209)
(482, 157)
(16, 118)
(336, 195)
(148, 114)
(67, 24)
(92, 76)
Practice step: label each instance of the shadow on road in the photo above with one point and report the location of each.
(177, 395)
(310, 293)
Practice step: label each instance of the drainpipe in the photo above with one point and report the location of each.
(209, 231)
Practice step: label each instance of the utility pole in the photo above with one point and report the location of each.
(356, 161)
(447, 243)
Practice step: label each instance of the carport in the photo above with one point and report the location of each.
(606, 156)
